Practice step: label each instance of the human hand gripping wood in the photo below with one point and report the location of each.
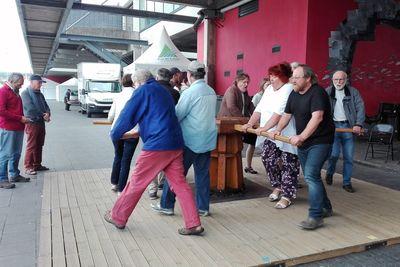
(279, 137)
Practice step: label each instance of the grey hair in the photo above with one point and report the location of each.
(294, 65)
(141, 76)
(309, 73)
(15, 77)
(336, 71)
(164, 74)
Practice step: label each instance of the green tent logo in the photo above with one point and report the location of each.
(166, 54)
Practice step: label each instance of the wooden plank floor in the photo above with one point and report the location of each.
(239, 233)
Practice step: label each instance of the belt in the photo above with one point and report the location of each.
(342, 121)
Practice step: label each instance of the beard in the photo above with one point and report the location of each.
(339, 87)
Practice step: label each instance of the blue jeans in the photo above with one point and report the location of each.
(346, 141)
(123, 153)
(201, 165)
(312, 159)
(10, 153)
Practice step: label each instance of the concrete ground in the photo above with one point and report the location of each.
(72, 142)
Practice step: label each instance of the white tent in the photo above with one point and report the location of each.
(161, 54)
(49, 89)
(62, 88)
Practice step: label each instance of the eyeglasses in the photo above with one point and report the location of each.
(338, 80)
(296, 78)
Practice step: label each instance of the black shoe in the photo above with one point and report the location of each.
(311, 223)
(327, 213)
(329, 179)
(19, 179)
(160, 186)
(349, 188)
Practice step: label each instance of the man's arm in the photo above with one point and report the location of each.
(184, 105)
(360, 111)
(312, 125)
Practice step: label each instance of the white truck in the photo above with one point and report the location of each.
(97, 85)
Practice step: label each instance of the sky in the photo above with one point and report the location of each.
(14, 56)
(13, 52)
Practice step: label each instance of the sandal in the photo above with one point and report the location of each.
(109, 219)
(191, 231)
(274, 196)
(250, 170)
(283, 203)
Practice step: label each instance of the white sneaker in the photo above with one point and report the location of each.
(118, 194)
(114, 187)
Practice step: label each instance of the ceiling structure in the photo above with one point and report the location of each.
(53, 45)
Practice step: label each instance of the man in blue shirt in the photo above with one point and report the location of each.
(196, 115)
(153, 108)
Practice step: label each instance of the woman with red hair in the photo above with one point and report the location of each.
(267, 113)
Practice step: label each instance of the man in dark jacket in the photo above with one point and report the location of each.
(37, 110)
(348, 112)
(67, 97)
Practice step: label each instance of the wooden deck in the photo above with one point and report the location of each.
(239, 233)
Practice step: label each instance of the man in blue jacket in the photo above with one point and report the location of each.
(152, 107)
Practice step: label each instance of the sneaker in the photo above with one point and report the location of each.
(349, 188)
(114, 187)
(119, 193)
(311, 223)
(30, 172)
(329, 179)
(19, 179)
(204, 213)
(41, 168)
(6, 185)
(153, 195)
(327, 213)
(157, 208)
(160, 186)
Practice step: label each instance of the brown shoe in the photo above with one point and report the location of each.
(191, 231)
(6, 185)
(109, 219)
(19, 179)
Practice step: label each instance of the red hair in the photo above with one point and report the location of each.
(282, 70)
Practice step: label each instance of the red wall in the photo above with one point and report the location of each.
(282, 22)
(376, 68)
(324, 17)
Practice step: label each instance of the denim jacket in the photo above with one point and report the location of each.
(352, 103)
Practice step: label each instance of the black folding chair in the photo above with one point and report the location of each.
(381, 135)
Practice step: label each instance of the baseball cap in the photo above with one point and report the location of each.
(35, 77)
(195, 66)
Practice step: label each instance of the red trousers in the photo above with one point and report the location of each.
(34, 145)
(148, 165)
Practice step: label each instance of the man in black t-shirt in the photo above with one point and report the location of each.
(309, 104)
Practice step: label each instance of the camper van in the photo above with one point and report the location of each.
(97, 85)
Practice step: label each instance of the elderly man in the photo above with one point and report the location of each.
(309, 104)
(12, 124)
(163, 77)
(196, 114)
(37, 110)
(348, 112)
(153, 108)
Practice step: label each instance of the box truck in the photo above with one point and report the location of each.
(97, 85)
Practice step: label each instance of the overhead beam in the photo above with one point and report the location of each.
(40, 35)
(134, 13)
(196, 3)
(43, 3)
(60, 29)
(83, 38)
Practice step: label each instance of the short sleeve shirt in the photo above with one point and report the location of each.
(301, 106)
